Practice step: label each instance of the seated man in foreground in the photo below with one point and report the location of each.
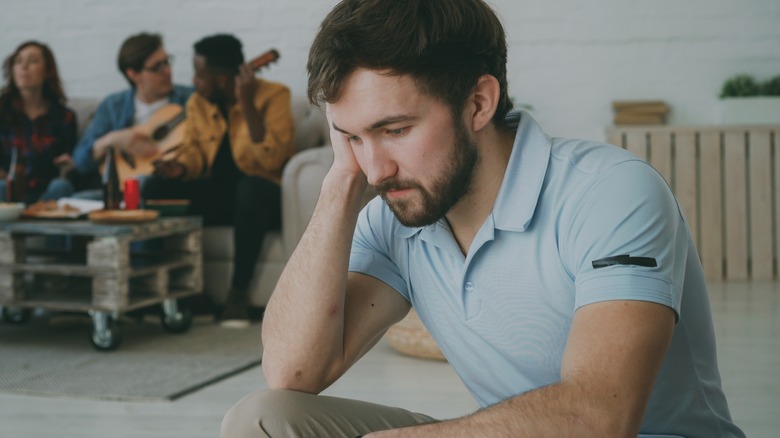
(557, 276)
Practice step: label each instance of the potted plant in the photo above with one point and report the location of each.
(749, 102)
(772, 87)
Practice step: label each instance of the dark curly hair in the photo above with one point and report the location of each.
(222, 52)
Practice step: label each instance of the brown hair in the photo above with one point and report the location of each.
(135, 50)
(445, 45)
(10, 100)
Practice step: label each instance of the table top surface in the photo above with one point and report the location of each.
(88, 228)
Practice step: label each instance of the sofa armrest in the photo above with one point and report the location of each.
(84, 108)
(301, 183)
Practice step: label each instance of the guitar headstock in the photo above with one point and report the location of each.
(264, 60)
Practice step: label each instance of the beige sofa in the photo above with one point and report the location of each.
(301, 183)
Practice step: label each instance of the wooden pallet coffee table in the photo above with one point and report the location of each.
(104, 272)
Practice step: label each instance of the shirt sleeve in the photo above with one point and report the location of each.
(181, 94)
(627, 222)
(98, 127)
(373, 247)
(277, 146)
(191, 153)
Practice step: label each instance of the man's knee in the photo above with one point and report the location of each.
(281, 413)
(271, 413)
(58, 188)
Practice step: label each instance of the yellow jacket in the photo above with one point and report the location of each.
(205, 128)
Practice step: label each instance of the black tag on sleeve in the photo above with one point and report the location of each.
(624, 259)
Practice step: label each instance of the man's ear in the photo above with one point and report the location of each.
(483, 102)
(134, 75)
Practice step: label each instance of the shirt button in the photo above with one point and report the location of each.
(469, 286)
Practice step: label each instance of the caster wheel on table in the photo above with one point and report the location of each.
(107, 337)
(176, 320)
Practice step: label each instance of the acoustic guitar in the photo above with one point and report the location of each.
(166, 130)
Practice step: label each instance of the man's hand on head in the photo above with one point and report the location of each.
(344, 157)
(246, 86)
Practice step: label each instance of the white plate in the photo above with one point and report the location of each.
(10, 211)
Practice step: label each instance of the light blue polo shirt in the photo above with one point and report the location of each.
(502, 313)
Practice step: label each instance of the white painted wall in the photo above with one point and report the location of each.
(568, 58)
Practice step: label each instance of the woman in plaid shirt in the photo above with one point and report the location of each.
(34, 120)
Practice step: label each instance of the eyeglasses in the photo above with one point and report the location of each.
(158, 66)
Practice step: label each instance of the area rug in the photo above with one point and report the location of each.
(52, 357)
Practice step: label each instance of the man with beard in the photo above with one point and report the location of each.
(557, 276)
(238, 137)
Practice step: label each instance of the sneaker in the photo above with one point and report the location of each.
(236, 324)
(235, 312)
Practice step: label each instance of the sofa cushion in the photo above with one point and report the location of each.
(311, 130)
(218, 245)
(85, 109)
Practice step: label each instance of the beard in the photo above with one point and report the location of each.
(449, 188)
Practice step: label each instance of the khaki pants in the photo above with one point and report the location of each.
(280, 413)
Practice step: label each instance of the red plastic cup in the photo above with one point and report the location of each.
(132, 194)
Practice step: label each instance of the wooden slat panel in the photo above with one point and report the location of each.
(775, 142)
(711, 218)
(636, 142)
(735, 205)
(661, 154)
(761, 220)
(615, 137)
(685, 181)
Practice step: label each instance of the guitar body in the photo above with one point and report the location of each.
(173, 137)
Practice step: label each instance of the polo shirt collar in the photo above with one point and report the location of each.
(524, 177)
(519, 193)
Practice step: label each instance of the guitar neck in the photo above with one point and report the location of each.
(175, 121)
(163, 129)
(264, 59)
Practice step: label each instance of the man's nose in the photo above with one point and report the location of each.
(379, 164)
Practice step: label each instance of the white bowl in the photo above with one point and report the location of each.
(10, 211)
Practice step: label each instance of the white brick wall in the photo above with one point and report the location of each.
(568, 58)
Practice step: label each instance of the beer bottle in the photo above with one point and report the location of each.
(112, 193)
(16, 181)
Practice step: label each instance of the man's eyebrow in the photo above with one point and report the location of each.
(380, 123)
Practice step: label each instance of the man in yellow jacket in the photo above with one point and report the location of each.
(238, 137)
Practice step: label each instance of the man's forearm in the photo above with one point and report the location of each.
(254, 120)
(113, 138)
(100, 145)
(303, 326)
(559, 410)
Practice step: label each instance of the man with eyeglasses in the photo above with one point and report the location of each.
(147, 67)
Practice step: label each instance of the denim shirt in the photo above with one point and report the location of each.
(115, 112)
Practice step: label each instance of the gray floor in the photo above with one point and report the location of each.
(747, 319)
